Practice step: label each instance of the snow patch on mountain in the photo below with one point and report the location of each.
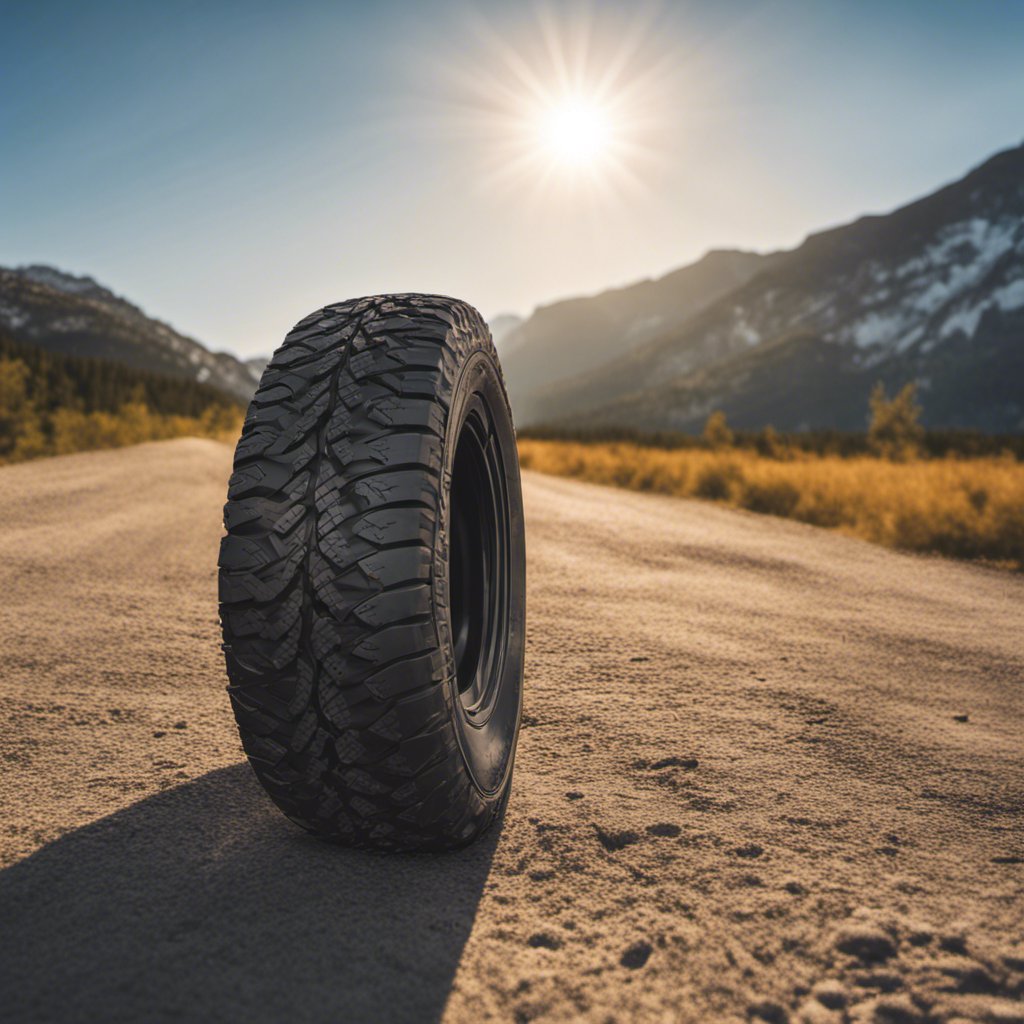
(877, 328)
(942, 277)
(70, 284)
(1010, 296)
(67, 324)
(256, 365)
(12, 317)
(967, 316)
(742, 330)
(645, 325)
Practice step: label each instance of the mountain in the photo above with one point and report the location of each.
(501, 327)
(932, 293)
(573, 336)
(74, 315)
(256, 365)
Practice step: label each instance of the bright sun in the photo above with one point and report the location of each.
(572, 106)
(575, 131)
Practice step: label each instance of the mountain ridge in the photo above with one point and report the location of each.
(932, 292)
(75, 315)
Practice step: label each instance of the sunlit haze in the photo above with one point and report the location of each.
(232, 166)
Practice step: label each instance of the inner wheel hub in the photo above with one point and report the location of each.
(477, 566)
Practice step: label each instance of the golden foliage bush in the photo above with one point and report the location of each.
(966, 508)
(75, 431)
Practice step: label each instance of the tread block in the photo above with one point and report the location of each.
(394, 605)
(403, 565)
(406, 677)
(396, 642)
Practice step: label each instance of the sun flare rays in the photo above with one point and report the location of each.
(566, 104)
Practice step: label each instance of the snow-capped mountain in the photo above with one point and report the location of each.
(933, 292)
(74, 315)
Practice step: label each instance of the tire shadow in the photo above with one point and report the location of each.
(204, 903)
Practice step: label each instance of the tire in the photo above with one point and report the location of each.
(372, 579)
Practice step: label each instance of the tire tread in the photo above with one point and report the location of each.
(338, 679)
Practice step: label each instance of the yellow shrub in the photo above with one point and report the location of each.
(967, 508)
(71, 430)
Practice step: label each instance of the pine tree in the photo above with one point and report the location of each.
(716, 431)
(21, 434)
(895, 429)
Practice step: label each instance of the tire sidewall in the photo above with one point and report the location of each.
(487, 751)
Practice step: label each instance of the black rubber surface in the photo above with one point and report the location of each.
(364, 718)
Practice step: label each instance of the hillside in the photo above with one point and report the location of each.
(568, 338)
(933, 292)
(72, 315)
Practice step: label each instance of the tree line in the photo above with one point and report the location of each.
(894, 431)
(51, 403)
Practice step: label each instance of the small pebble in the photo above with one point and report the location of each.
(866, 943)
(831, 993)
(750, 850)
(636, 955)
(664, 828)
(675, 762)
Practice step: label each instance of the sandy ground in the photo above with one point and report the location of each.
(767, 773)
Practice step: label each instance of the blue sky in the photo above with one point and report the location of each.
(232, 166)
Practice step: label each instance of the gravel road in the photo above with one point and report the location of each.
(766, 773)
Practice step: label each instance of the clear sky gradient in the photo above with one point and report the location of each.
(232, 166)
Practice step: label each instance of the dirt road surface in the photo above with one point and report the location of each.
(767, 773)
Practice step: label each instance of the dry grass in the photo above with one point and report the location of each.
(134, 423)
(71, 430)
(967, 508)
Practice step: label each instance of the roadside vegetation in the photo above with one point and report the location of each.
(958, 494)
(55, 404)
